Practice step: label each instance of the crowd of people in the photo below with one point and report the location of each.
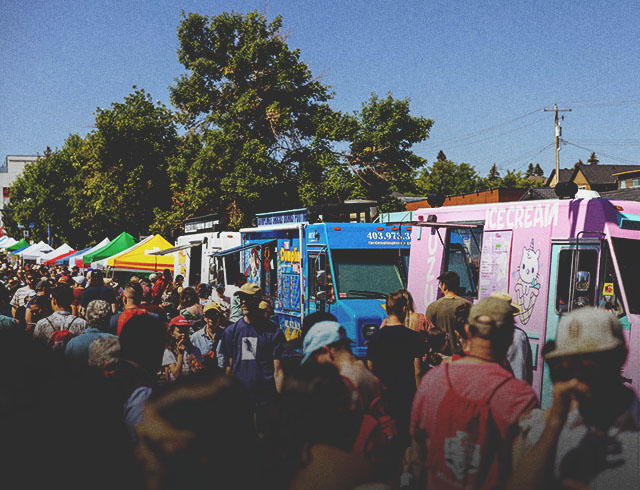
(156, 385)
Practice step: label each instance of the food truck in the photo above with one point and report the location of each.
(551, 256)
(192, 253)
(326, 258)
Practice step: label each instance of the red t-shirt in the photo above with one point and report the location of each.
(476, 382)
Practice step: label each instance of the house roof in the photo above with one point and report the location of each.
(629, 194)
(564, 174)
(601, 174)
(536, 193)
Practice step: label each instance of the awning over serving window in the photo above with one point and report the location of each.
(176, 249)
(255, 243)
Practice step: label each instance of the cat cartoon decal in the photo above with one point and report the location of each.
(527, 286)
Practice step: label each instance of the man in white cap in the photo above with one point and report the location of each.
(590, 436)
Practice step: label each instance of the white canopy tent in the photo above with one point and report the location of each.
(7, 241)
(61, 250)
(78, 259)
(35, 251)
(31, 247)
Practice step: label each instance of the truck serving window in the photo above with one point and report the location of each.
(368, 273)
(462, 256)
(583, 272)
(627, 255)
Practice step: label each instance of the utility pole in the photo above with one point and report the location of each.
(558, 131)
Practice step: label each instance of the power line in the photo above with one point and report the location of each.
(529, 155)
(624, 160)
(538, 121)
(623, 142)
(481, 131)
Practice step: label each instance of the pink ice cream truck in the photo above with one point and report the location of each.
(551, 256)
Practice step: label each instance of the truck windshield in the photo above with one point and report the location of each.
(369, 273)
(627, 254)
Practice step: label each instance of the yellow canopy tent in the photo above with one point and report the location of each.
(138, 259)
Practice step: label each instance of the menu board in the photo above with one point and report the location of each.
(494, 262)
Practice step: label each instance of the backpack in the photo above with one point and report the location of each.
(378, 434)
(60, 337)
(466, 447)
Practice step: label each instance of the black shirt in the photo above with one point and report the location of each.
(392, 351)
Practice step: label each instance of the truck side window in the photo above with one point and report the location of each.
(462, 256)
(583, 274)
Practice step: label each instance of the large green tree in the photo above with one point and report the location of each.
(269, 139)
(381, 156)
(448, 178)
(125, 175)
(257, 108)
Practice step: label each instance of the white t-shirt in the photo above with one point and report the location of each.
(607, 462)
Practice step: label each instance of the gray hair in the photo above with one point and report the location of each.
(98, 314)
(104, 350)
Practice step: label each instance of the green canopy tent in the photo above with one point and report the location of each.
(18, 246)
(122, 242)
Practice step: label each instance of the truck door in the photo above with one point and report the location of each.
(573, 281)
(319, 282)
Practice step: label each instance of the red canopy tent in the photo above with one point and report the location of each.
(53, 260)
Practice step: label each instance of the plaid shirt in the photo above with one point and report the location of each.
(60, 320)
(20, 296)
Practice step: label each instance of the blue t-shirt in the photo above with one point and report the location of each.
(253, 348)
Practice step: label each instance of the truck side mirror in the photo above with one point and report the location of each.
(321, 278)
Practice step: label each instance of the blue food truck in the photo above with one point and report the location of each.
(327, 258)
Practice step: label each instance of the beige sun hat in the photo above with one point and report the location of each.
(506, 297)
(587, 330)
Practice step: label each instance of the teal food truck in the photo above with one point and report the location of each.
(327, 258)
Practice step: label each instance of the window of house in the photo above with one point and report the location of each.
(623, 184)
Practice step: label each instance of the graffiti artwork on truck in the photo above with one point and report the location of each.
(289, 288)
(527, 286)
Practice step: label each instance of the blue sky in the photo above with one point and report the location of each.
(482, 70)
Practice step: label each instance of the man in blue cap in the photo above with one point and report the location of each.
(327, 343)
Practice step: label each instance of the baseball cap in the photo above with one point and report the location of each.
(505, 297)
(42, 284)
(180, 321)
(250, 289)
(587, 330)
(212, 306)
(153, 276)
(321, 334)
(497, 310)
(265, 306)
